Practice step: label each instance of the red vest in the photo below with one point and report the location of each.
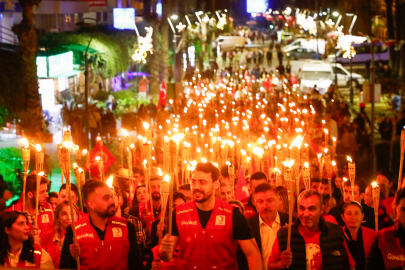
(150, 219)
(112, 253)
(369, 236)
(45, 218)
(37, 257)
(51, 247)
(391, 248)
(209, 248)
(249, 210)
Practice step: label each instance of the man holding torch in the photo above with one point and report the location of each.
(104, 241)
(208, 229)
(45, 216)
(309, 233)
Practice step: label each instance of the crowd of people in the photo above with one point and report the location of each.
(220, 221)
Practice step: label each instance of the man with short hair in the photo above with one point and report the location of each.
(208, 229)
(224, 173)
(45, 217)
(142, 210)
(185, 189)
(388, 250)
(138, 175)
(266, 223)
(256, 179)
(63, 196)
(324, 187)
(104, 241)
(315, 184)
(309, 233)
(225, 191)
(385, 180)
(359, 188)
(314, 170)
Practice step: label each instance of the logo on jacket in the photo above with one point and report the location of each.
(45, 219)
(190, 222)
(117, 232)
(85, 235)
(396, 257)
(220, 220)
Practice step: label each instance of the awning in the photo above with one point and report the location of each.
(79, 48)
(68, 74)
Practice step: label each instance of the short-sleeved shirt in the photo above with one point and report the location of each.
(312, 251)
(240, 226)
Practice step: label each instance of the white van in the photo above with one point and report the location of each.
(317, 73)
(343, 76)
(229, 43)
(307, 44)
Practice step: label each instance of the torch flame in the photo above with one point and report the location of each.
(306, 165)
(333, 163)
(132, 145)
(326, 131)
(166, 178)
(74, 166)
(297, 142)
(159, 172)
(177, 137)
(38, 147)
(349, 159)
(41, 174)
(98, 159)
(80, 170)
(288, 163)
(203, 160)
(145, 125)
(345, 179)
(258, 151)
(243, 152)
(110, 181)
(24, 142)
(325, 150)
(374, 184)
(334, 139)
(84, 151)
(277, 170)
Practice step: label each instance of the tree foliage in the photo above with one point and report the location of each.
(114, 48)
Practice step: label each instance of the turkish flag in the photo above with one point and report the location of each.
(162, 96)
(108, 160)
(241, 190)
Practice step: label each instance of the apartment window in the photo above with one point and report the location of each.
(68, 18)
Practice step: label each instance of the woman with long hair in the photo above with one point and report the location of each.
(53, 240)
(17, 248)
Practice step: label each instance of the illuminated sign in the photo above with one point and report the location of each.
(54, 65)
(42, 69)
(256, 6)
(124, 18)
(60, 63)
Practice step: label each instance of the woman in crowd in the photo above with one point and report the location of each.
(53, 199)
(358, 238)
(282, 199)
(52, 241)
(337, 186)
(140, 196)
(16, 244)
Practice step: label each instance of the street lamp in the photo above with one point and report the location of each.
(86, 79)
(174, 17)
(335, 14)
(351, 61)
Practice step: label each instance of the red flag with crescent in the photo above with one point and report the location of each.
(108, 160)
(162, 95)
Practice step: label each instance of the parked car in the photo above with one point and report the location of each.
(363, 54)
(301, 53)
(229, 43)
(316, 45)
(343, 76)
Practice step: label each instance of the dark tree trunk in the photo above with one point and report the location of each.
(390, 19)
(31, 115)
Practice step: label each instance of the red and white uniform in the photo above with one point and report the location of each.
(209, 248)
(45, 217)
(249, 210)
(111, 253)
(49, 242)
(26, 264)
(391, 248)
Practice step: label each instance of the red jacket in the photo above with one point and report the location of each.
(150, 219)
(209, 248)
(45, 218)
(165, 265)
(249, 210)
(111, 253)
(51, 247)
(37, 257)
(369, 236)
(391, 248)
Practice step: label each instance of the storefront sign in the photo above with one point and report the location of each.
(54, 65)
(124, 18)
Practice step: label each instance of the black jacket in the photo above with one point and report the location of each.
(254, 224)
(331, 241)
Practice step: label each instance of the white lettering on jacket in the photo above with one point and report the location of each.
(90, 235)
(185, 211)
(226, 210)
(189, 222)
(119, 223)
(80, 225)
(393, 257)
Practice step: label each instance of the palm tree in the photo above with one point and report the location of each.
(166, 5)
(31, 117)
(155, 57)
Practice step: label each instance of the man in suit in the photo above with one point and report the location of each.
(268, 220)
